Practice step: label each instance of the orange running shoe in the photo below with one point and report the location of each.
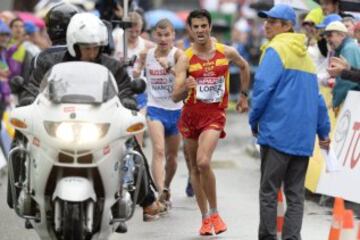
(206, 227)
(218, 223)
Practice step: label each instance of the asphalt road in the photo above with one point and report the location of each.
(237, 185)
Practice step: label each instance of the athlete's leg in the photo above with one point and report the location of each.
(189, 189)
(207, 144)
(157, 136)
(172, 143)
(192, 148)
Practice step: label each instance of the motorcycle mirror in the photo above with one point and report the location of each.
(138, 85)
(16, 83)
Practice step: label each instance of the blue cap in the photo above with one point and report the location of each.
(329, 19)
(280, 11)
(4, 29)
(30, 27)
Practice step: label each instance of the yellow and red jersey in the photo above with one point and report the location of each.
(212, 78)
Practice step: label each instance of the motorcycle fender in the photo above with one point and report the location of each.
(74, 189)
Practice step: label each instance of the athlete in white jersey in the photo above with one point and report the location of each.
(136, 45)
(160, 81)
(162, 113)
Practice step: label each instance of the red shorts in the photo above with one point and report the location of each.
(200, 117)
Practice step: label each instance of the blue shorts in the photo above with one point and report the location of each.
(141, 100)
(168, 118)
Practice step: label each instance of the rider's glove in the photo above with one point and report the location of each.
(129, 103)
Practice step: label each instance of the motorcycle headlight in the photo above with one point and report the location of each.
(78, 132)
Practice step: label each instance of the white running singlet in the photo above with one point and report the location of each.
(160, 84)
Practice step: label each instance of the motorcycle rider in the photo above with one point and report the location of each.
(56, 20)
(85, 42)
(86, 37)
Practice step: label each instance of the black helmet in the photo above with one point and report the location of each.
(57, 19)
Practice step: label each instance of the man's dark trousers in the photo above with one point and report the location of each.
(277, 168)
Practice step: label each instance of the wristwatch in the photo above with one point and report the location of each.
(168, 69)
(245, 93)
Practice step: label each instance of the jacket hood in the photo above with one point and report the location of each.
(295, 42)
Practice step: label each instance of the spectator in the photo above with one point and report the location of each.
(239, 37)
(113, 11)
(332, 6)
(329, 6)
(322, 41)
(339, 67)
(32, 32)
(135, 45)
(287, 112)
(349, 23)
(186, 41)
(16, 52)
(313, 18)
(5, 34)
(337, 37)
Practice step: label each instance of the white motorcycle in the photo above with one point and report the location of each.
(75, 181)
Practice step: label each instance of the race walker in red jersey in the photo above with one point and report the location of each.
(202, 76)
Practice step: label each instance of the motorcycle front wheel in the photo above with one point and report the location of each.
(73, 224)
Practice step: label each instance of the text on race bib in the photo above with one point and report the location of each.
(210, 89)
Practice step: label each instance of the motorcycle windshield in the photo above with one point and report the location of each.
(79, 82)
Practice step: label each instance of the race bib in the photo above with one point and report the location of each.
(161, 88)
(210, 89)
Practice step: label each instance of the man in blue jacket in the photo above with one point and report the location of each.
(287, 113)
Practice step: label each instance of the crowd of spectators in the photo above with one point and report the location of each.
(21, 39)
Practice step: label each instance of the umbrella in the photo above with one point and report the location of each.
(27, 16)
(183, 14)
(345, 5)
(299, 4)
(153, 16)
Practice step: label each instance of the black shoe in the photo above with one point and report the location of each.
(189, 190)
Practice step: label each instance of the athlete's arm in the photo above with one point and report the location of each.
(235, 58)
(239, 61)
(140, 65)
(177, 57)
(142, 58)
(182, 83)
